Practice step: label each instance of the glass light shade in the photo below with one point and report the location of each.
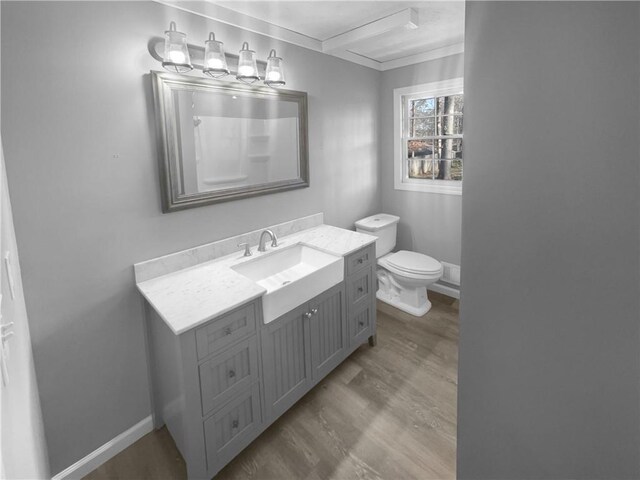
(247, 66)
(274, 75)
(176, 54)
(215, 63)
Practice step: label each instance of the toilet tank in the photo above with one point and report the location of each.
(383, 226)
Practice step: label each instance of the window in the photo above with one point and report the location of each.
(428, 137)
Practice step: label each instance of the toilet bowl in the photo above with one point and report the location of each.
(403, 277)
(403, 280)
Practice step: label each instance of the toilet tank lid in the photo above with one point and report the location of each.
(376, 222)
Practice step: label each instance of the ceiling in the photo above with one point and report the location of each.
(378, 34)
(440, 24)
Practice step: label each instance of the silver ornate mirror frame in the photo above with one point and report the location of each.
(169, 150)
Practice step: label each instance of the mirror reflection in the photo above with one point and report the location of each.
(235, 140)
(222, 141)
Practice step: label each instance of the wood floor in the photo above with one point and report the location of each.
(387, 412)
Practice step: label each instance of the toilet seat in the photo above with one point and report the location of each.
(414, 262)
(411, 264)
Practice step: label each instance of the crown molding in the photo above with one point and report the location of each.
(356, 58)
(423, 57)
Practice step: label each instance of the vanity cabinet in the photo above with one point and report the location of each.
(207, 386)
(328, 330)
(361, 293)
(232, 428)
(220, 384)
(301, 347)
(215, 336)
(286, 360)
(228, 374)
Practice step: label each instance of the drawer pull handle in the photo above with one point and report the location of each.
(308, 314)
(227, 331)
(231, 373)
(360, 260)
(314, 311)
(360, 289)
(234, 424)
(361, 324)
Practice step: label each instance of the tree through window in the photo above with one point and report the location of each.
(432, 136)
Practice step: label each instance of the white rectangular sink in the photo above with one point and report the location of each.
(292, 275)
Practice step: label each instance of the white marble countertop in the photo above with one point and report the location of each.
(190, 297)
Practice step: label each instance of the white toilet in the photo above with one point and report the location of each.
(403, 276)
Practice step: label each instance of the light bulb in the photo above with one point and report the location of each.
(273, 77)
(245, 71)
(214, 63)
(177, 56)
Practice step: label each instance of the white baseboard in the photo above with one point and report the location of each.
(107, 451)
(450, 291)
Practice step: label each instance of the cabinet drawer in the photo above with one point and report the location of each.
(226, 374)
(225, 330)
(359, 287)
(229, 430)
(360, 325)
(361, 259)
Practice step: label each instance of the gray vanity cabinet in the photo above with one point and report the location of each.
(206, 386)
(301, 347)
(361, 294)
(225, 376)
(286, 360)
(329, 336)
(232, 428)
(220, 384)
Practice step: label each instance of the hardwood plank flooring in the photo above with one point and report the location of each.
(387, 412)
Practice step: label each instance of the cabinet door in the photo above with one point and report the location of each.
(286, 357)
(328, 331)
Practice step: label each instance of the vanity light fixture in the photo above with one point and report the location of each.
(176, 59)
(274, 75)
(176, 54)
(215, 63)
(247, 66)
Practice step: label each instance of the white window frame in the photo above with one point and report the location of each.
(401, 178)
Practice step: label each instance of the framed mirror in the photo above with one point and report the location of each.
(221, 141)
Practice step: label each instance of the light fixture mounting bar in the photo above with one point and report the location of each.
(404, 19)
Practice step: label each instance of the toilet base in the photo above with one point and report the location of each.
(395, 301)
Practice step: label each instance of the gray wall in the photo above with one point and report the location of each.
(429, 222)
(549, 342)
(77, 93)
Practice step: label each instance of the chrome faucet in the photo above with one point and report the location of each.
(274, 240)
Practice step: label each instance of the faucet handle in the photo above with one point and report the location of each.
(247, 249)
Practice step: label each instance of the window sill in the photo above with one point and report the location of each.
(427, 186)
